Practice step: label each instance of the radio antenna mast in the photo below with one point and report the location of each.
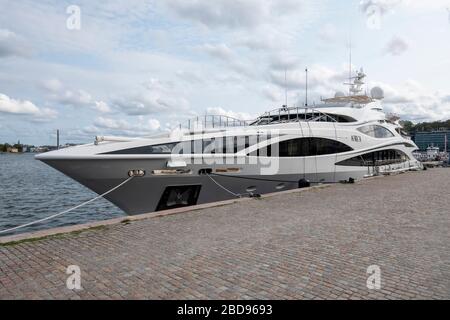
(285, 87)
(350, 64)
(57, 139)
(306, 87)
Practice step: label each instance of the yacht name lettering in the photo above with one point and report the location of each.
(356, 138)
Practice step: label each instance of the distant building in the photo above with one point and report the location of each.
(432, 138)
(12, 150)
(432, 154)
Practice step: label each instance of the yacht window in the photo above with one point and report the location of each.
(229, 145)
(196, 147)
(240, 143)
(155, 149)
(247, 142)
(301, 116)
(265, 151)
(305, 147)
(383, 157)
(224, 145)
(376, 131)
(207, 146)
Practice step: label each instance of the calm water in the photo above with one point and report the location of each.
(30, 190)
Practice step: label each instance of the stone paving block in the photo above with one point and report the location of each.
(315, 244)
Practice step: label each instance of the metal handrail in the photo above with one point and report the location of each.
(206, 122)
(271, 116)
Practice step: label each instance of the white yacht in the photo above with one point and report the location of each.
(215, 158)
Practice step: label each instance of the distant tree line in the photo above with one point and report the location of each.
(4, 147)
(425, 126)
(19, 146)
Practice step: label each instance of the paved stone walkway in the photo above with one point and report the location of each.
(314, 244)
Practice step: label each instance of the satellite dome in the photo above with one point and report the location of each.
(377, 93)
(339, 94)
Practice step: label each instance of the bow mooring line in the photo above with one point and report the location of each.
(68, 210)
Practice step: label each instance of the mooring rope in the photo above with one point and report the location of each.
(269, 180)
(68, 210)
(221, 186)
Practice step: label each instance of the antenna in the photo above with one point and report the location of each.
(57, 139)
(350, 57)
(285, 87)
(350, 64)
(306, 87)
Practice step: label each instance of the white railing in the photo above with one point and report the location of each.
(208, 122)
(293, 114)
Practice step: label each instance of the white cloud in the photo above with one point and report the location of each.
(220, 51)
(378, 8)
(233, 14)
(140, 127)
(190, 77)
(52, 85)
(9, 105)
(74, 98)
(153, 124)
(328, 33)
(425, 5)
(321, 79)
(109, 123)
(382, 6)
(59, 93)
(25, 107)
(273, 93)
(229, 113)
(231, 60)
(102, 107)
(152, 97)
(396, 46)
(257, 25)
(283, 60)
(257, 41)
(412, 101)
(12, 45)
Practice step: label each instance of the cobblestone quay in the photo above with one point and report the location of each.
(311, 244)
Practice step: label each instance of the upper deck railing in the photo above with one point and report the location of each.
(276, 116)
(208, 122)
(293, 114)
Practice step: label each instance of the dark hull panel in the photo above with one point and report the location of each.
(151, 193)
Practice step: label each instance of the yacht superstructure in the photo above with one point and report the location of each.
(214, 158)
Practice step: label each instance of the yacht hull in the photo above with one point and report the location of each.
(147, 194)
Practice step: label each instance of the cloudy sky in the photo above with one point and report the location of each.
(137, 67)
